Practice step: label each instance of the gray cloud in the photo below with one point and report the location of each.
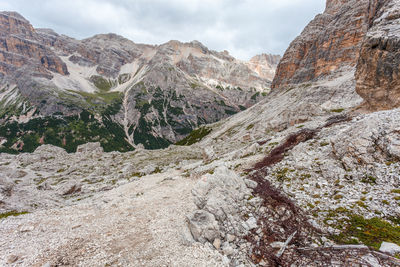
(244, 28)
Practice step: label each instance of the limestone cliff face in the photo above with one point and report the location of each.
(378, 69)
(264, 65)
(332, 40)
(19, 47)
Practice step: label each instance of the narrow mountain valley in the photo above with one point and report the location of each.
(294, 167)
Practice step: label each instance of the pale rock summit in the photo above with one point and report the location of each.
(264, 65)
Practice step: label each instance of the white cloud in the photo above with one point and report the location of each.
(244, 28)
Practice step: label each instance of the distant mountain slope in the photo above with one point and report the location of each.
(55, 89)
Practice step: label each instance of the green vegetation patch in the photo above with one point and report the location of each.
(101, 83)
(99, 99)
(368, 179)
(230, 112)
(12, 213)
(322, 144)
(67, 132)
(250, 127)
(371, 232)
(195, 136)
(254, 97)
(338, 110)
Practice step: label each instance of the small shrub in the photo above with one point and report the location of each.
(368, 179)
(361, 204)
(250, 127)
(281, 174)
(339, 110)
(157, 170)
(337, 197)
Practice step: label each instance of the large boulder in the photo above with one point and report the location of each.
(49, 151)
(203, 226)
(217, 193)
(389, 248)
(90, 148)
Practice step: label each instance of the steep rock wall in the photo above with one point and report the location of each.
(378, 69)
(330, 41)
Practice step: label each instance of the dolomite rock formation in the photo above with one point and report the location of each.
(20, 49)
(331, 41)
(143, 95)
(264, 65)
(378, 71)
(361, 34)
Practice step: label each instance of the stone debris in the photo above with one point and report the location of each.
(203, 226)
(389, 248)
(90, 148)
(208, 154)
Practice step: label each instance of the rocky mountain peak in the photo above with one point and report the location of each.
(107, 38)
(264, 65)
(20, 47)
(14, 23)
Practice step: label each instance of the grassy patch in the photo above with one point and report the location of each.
(338, 110)
(12, 213)
(371, 232)
(101, 83)
(368, 179)
(250, 127)
(194, 85)
(254, 97)
(281, 174)
(100, 98)
(337, 197)
(194, 137)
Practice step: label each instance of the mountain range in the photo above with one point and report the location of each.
(66, 92)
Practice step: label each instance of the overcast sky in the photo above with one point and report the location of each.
(243, 27)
